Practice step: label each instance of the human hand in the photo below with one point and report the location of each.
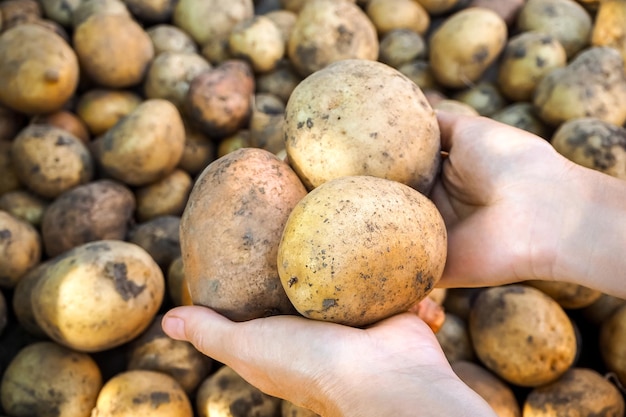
(395, 367)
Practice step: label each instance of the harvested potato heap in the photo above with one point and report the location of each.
(275, 157)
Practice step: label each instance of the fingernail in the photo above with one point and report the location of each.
(174, 327)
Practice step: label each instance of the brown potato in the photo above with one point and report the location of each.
(219, 100)
(169, 38)
(580, 391)
(420, 72)
(151, 11)
(167, 196)
(142, 393)
(116, 285)
(66, 120)
(103, 44)
(613, 343)
(522, 335)
(38, 68)
(609, 28)
(327, 31)
(358, 249)
(565, 20)
(280, 82)
(50, 161)
(459, 301)
(25, 205)
(593, 143)
(101, 109)
(49, 380)
(17, 12)
(437, 7)
(199, 151)
(230, 231)
(145, 146)
(159, 237)
(484, 97)
(266, 123)
(401, 46)
(176, 283)
(20, 246)
(259, 41)
(523, 115)
(22, 304)
(368, 129)
(526, 59)
(224, 392)
(507, 9)
(11, 122)
(465, 45)
(9, 180)
(388, 15)
(155, 351)
(102, 209)
(453, 336)
(170, 75)
(569, 296)
(495, 391)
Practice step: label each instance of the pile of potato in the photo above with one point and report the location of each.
(156, 153)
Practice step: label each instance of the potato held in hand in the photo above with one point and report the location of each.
(358, 249)
(230, 231)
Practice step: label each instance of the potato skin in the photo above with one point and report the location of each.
(358, 249)
(101, 109)
(613, 343)
(115, 285)
(368, 129)
(20, 249)
(230, 231)
(522, 335)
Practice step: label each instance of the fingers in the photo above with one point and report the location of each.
(447, 124)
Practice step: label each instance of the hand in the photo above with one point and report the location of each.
(395, 367)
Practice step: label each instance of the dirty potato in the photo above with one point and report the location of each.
(169, 38)
(485, 97)
(101, 109)
(20, 247)
(388, 15)
(259, 41)
(25, 205)
(167, 196)
(66, 120)
(159, 237)
(613, 343)
(453, 336)
(400, 46)
(609, 28)
(568, 295)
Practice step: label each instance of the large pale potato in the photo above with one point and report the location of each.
(382, 125)
(358, 249)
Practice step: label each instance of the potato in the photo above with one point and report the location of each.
(50, 161)
(3, 313)
(266, 123)
(400, 46)
(469, 41)
(159, 236)
(522, 335)
(102, 209)
(394, 258)
(437, 7)
(175, 280)
(21, 303)
(38, 68)
(259, 41)
(569, 296)
(88, 8)
(459, 301)
(66, 120)
(388, 15)
(199, 151)
(289, 409)
(609, 28)
(61, 11)
(101, 109)
(20, 247)
(151, 11)
(115, 285)
(165, 197)
(453, 336)
(142, 393)
(327, 31)
(455, 106)
(170, 75)
(484, 97)
(226, 394)
(297, 5)
(239, 140)
(218, 101)
(11, 122)
(230, 231)
(507, 9)
(204, 20)
(565, 20)
(145, 146)
(495, 391)
(281, 81)
(169, 38)
(103, 44)
(580, 391)
(49, 380)
(613, 343)
(600, 310)
(284, 21)
(155, 351)
(526, 59)
(523, 115)
(593, 143)
(17, 12)
(420, 72)
(368, 129)
(9, 180)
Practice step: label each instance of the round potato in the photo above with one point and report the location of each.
(49, 380)
(230, 231)
(593, 143)
(259, 41)
(568, 295)
(11, 122)
(61, 11)
(280, 82)
(613, 343)
(484, 97)
(25, 205)
(101, 109)
(159, 237)
(522, 335)
(39, 69)
(142, 393)
(388, 15)
(381, 126)
(523, 115)
(151, 11)
(453, 336)
(327, 31)
(465, 45)
(580, 391)
(609, 27)
(266, 123)
(420, 72)
(358, 249)
(20, 249)
(99, 210)
(401, 46)
(199, 151)
(66, 120)
(116, 287)
(50, 160)
(169, 38)
(167, 196)
(88, 8)
(22, 304)
(600, 310)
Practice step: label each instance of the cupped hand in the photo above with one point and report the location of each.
(501, 193)
(395, 367)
